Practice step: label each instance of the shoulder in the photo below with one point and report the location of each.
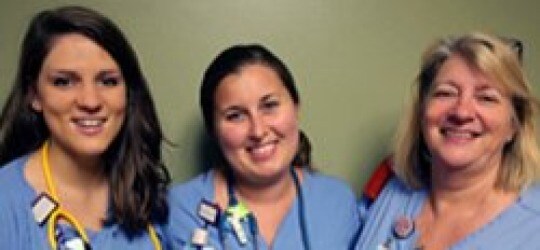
(184, 200)
(326, 184)
(395, 198)
(328, 195)
(395, 194)
(530, 198)
(17, 221)
(12, 179)
(330, 210)
(12, 169)
(193, 190)
(185, 197)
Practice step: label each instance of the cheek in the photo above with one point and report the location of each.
(433, 115)
(429, 123)
(50, 109)
(230, 137)
(118, 100)
(287, 122)
(505, 127)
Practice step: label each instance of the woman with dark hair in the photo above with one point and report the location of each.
(262, 175)
(80, 141)
(466, 157)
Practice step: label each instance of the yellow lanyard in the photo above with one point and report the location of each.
(61, 213)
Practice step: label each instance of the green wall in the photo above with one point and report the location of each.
(354, 61)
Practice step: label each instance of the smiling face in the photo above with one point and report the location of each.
(256, 123)
(467, 120)
(81, 94)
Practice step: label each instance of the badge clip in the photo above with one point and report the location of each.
(209, 212)
(199, 237)
(42, 207)
(237, 214)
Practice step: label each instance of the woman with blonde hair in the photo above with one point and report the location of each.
(466, 158)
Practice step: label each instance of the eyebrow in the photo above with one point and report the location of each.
(268, 96)
(104, 73)
(487, 87)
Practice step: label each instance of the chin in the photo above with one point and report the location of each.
(456, 163)
(92, 149)
(92, 152)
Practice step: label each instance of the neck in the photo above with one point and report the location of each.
(269, 202)
(75, 171)
(483, 172)
(463, 185)
(268, 193)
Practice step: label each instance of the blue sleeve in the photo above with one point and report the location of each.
(6, 235)
(8, 209)
(363, 207)
(179, 223)
(183, 218)
(333, 214)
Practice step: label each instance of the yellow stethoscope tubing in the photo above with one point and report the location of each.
(60, 213)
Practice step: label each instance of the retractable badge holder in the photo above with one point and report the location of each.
(209, 213)
(235, 216)
(402, 228)
(42, 208)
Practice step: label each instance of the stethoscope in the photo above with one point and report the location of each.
(57, 212)
(238, 210)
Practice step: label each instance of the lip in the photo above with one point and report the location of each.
(459, 135)
(89, 126)
(263, 151)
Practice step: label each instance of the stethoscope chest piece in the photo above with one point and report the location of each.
(74, 244)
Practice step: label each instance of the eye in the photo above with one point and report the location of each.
(270, 105)
(61, 81)
(443, 91)
(110, 81)
(489, 98)
(234, 116)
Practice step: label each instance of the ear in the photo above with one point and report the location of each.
(35, 101)
(514, 130)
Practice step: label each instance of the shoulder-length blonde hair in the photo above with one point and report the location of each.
(499, 58)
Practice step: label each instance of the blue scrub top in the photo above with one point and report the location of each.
(19, 229)
(517, 227)
(330, 209)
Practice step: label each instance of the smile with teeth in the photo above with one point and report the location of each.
(262, 151)
(89, 122)
(89, 126)
(459, 134)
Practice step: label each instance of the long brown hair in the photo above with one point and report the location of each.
(137, 177)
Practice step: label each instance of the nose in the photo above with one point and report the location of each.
(88, 98)
(258, 128)
(463, 110)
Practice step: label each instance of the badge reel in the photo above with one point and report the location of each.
(402, 228)
(236, 215)
(209, 213)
